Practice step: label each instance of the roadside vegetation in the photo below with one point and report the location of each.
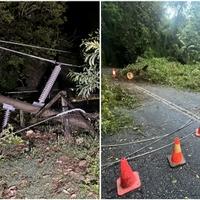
(164, 72)
(114, 99)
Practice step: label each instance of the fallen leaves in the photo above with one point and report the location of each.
(55, 169)
(9, 192)
(82, 164)
(24, 183)
(174, 181)
(79, 141)
(63, 160)
(57, 185)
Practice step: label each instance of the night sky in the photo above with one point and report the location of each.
(83, 18)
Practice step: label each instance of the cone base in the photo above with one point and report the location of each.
(175, 164)
(197, 133)
(121, 191)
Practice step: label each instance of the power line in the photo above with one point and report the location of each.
(144, 154)
(174, 106)
(194, 116)
(33, 46)
(189, 122)
(169, 134)
(148, 139)
(129, 143)
(50, 118)
(39, 58)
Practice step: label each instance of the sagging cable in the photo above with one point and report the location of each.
(143, 154)
(148, 139)
(39, 58)
(33, 46)
(50, 118)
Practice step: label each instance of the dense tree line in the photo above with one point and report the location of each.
(59, 25)
(37, 23)
(150, 29)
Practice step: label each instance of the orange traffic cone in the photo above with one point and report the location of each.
(114, 73)
(129, 179)
(197, 133)
(176, 158)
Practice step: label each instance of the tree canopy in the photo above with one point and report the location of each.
(59, 25)
(161, 29)
(31, 23)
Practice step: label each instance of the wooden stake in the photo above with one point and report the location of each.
(66, 125)
(21, 117)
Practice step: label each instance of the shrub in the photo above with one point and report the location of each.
(164, 72)
(114, 98)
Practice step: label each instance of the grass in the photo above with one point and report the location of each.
(171, 73)
(114, 98)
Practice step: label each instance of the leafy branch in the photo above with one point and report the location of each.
(88, 80)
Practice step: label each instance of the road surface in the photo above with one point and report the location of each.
(158, 179)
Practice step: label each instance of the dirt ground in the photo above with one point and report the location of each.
(52, 168)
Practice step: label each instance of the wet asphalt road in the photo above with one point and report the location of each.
(158, 179)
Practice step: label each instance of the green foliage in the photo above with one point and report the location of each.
(179, 37)
(189, 36)
(88, 80)
(150, 29)
(91, 49)
(9, 138)
(128, 28)
(162, 71)
(167, 43)
(36, 23)
(114, 98)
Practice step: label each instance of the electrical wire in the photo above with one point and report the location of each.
(189, 122)
(149, 139)
(129, 143)
(185, 125)
(33, 46)
(50, 118)
(39, 58)
(174, 106)
(144, 154)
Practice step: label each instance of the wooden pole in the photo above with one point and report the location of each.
(75, 120)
